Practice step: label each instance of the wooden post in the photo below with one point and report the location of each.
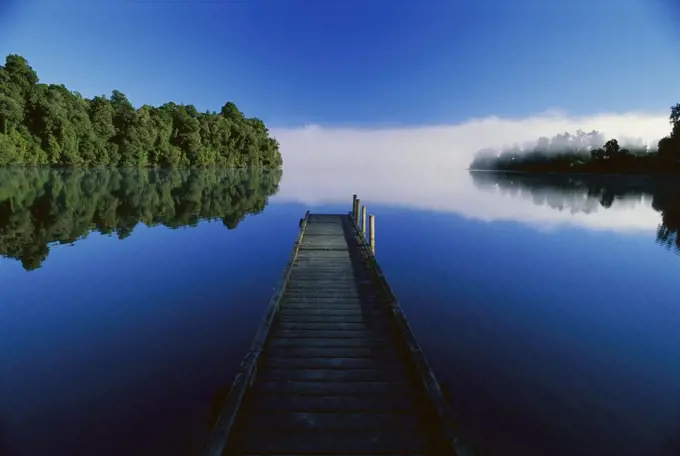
(363, 221)
(354, 206)
(371, 239)
(357, 205)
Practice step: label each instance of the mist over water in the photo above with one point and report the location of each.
(424, 167)
(455, 191)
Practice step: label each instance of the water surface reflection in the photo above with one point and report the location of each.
(588, 193)
(41, 206)
(544, 305)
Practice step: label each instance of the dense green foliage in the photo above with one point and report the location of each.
(40, 206)
(575, 153)
(44, 124)
(586, 193)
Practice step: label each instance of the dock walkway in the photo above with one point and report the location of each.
(334, 368)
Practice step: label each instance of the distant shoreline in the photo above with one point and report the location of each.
(667, 174)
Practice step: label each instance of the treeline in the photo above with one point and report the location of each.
(43, 124)
(40, 206)
(584, 193)
(581, 153)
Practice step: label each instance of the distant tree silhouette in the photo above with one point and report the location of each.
(42, 206)
(566, 153)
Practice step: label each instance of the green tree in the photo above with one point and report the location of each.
(43, 124)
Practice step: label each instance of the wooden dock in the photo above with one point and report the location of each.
(335, 368)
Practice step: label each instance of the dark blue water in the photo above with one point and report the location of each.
(548, 309)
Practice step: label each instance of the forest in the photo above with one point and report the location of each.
(586, 193)
(582, 153)
(46, 124)
(43, 206)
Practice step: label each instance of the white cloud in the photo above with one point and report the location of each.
(423, 167)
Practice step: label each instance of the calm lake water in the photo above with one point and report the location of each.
(549, 307)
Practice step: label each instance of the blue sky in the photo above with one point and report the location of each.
(370, 62)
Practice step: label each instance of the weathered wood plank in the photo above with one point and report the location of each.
(297, 288)
(329, 363)
(317, 274)
(329, 334)
(331, 257)
(312, 249)
(318, 283)
(296, 315)
(332, 296)
(316, 293)
(318, 286)
(312, 403)
(324, 267)
(311, 260)
(327, 255)
(312, 306)
(332, 312)
(321, 285)
(324, 315)
(348, 421)
(330, 279)
(329, 300)
(374, 352)
(325, 240)
(330, 276)
(314, 272)
(330, 240)
(307, 248)
(304, 296)
(325, 218)
(346, 271)
(335, 442)
(341, 305)
(301, 296)
(324, 258)
(323, 270)
(387, 373)
(314, 259)
(332, 388)
(319, 264)
(332, 325)
(328, 343)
